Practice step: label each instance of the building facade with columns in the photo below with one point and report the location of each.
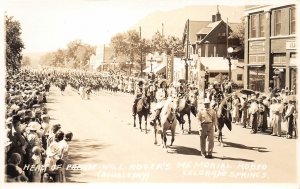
(270, 47)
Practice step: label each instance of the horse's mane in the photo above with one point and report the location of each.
(221, 106)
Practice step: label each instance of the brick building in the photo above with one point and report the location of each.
(270, 47)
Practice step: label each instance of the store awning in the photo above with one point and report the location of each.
(147, 70)
(156, 69)
(159, 69)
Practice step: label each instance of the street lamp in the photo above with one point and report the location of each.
(229, 50)
(129, 63)
(151, 61)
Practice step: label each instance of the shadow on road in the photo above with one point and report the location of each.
(233, 159)
(184, 150)
(82, 153)
(236, 145)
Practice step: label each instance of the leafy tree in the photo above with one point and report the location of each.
(76, 55)
(236, 39)
(14, 43)
(238, 33)
(161, 44)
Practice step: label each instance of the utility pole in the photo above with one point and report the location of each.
(187, 51)
(141, 48)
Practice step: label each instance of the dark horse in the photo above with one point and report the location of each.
(184, 108)
(142, 109)
(224, 116)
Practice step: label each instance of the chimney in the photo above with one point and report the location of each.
(213, 18)
(218, 15)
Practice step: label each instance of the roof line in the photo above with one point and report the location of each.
(211, 31)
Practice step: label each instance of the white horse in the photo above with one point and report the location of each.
(168, 121)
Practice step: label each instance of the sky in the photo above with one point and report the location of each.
(51, 24)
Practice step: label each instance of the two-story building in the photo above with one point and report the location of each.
(270, 47)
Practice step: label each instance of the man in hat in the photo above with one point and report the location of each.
(139, 91)
(289, 116)
(207, 121)
(161, 96)
(244, 110)
(253, 109)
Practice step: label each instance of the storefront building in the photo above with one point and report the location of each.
(270, 47)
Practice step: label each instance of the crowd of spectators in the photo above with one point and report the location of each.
(36, 149)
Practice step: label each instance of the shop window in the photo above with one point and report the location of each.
(261, 25)
(257, 78)
(253, 59)
(292, 20)
(253, 26)
(279, 58)
(277, 14)
(239, 77)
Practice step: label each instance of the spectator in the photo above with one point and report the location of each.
(14, 173)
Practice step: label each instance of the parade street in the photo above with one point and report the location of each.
(107, 148)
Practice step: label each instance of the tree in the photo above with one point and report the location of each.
(129, 46)
(76, 55)
(14, 43)
(238, 33)
(236, 39)
(161, 44)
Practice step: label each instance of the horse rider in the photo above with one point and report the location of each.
(139, 91)
(161, 96)
(207, 122)
(181, 89)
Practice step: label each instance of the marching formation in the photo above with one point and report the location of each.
(36, 149)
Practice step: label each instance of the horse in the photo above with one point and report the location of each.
(224, 117)
(168, 122)
(142, 109)
(184, 108)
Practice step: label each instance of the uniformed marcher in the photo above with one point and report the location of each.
(207, 122)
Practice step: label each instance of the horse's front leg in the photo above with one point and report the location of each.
(140, 122)
(146, 123)
(220, 138)
(134, 125)
(189, 118)
(173, 136)
(155, 132)
(182, 123)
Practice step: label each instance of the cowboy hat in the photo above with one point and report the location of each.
(53, 149)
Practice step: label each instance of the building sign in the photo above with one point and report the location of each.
(256, 47)
(170, 68)
(291, 45)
